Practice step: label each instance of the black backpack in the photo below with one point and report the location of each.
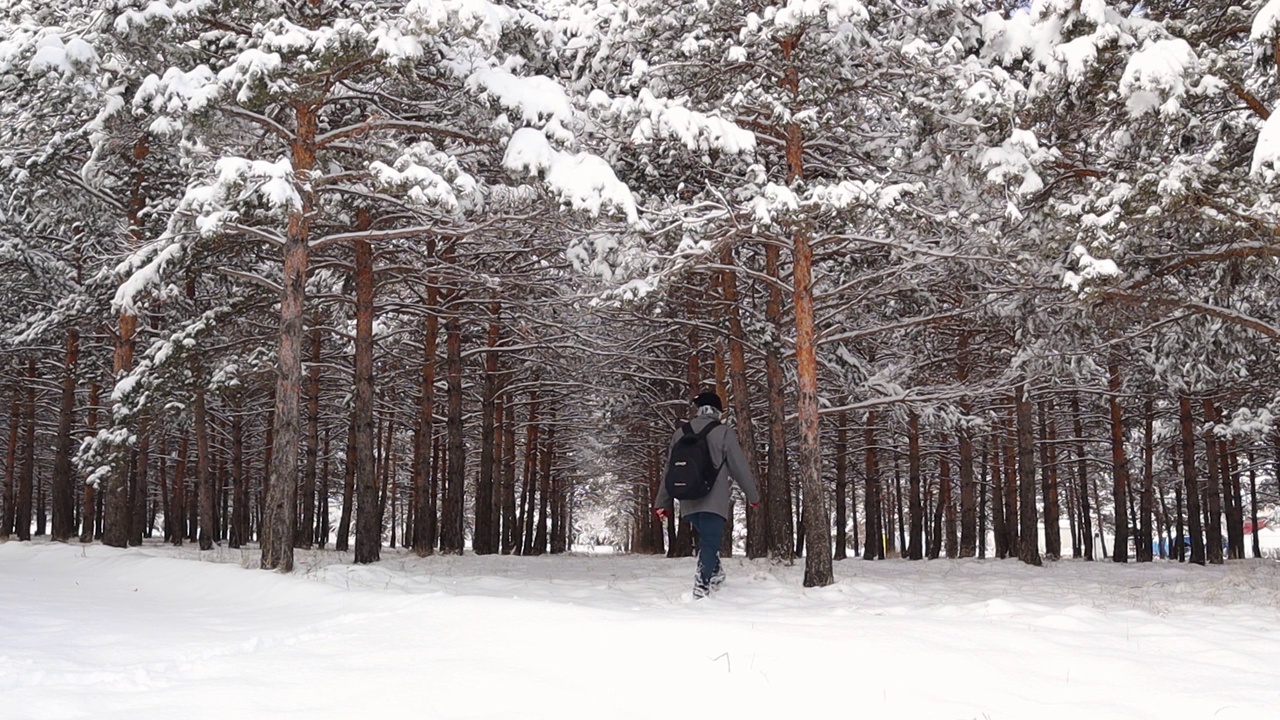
(690, 473)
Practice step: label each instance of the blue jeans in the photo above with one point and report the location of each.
(710, 529)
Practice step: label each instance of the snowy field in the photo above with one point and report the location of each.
(170, 632)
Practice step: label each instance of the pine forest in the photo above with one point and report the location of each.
(975, 278)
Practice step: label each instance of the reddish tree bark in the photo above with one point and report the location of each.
(64, 493)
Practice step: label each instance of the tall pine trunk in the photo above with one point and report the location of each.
(307, 519)
(279, 518)
(208, 530)
(368, 503)
(1119, 461)
(451, 529)
(1082, 477)
(740, 397)
(873, 548)
(1028, 536)
(915, 538)
(1146, 501)
(486, 541)
(1191, 484)
(1212, 488)
(778, 500)
(425, 525)
(27, 467)
(842, 479)
(88, 515)
(64, 492)
(1049, 481)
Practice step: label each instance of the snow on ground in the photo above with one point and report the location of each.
(91, 631)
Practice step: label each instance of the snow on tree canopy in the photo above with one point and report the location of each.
(1266, 22)
(159, 11)
(799, 12)
(659, 117)
(480, 19)
(428, 177)
(52, 54)
(1266, 154)
(1016, 157)
(1158, 70)
(583, 181)
(1090, 268)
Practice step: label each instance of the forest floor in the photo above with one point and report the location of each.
(91, 631)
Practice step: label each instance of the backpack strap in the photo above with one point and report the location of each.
(687, 429)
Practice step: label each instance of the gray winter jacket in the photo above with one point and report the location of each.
(725, 453)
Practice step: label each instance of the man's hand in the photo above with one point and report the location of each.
(662, 513)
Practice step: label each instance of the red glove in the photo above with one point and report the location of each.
(755, 504)
(662, 513)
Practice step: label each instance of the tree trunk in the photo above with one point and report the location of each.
(1212, 488)
(1231, 493)
(998, 516)
(27, 469)
(1119, 462)
(899, 507)
(1253, 506)
(425, 527)
(451, 535)
(1147, 497)
(88, 515)
(778, 500)
(946, 499)
(279, 518)
(1082, 477)
(10, 513)
(116, 509)
(529, 478)
(1028, 535)
(64, 490)
(915, 541)
(510, 527)
(306, 525)
(368, 504)
(239, 482)
(341, 544)
(322, 517)
(842, 472)
(177, 503)
(1049, 478)
(757, 519)
(208, 530)
(1008, 451)
(544, 490)
(1190, 483)
(485, 541)
(983, 484)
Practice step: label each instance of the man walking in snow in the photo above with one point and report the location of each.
(708, 513)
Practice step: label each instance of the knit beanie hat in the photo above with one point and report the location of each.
(708, 398)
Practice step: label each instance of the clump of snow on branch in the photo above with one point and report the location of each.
(796, 13)
(663, 118)
(1017, 158)
(1246, 424)
(160, 12)
(427, 178)
(481, 20)
(1266, 22)
(1159, 70)
(1266, 153)
(583, 181)
(851, 193)
(1089, 269)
